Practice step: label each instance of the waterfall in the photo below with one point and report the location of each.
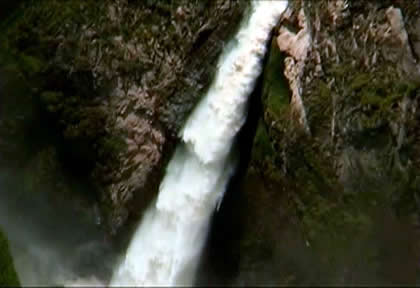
(166, 247)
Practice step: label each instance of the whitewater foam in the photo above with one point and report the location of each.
(166, 247)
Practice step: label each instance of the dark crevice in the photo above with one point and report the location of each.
(413, 51)
(220, 260)
(202, 37)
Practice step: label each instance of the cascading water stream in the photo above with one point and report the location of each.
(166, 247)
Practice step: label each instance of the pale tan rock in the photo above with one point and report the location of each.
(402, 49)
(296, 46)
(337, 10)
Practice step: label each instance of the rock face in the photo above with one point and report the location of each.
(94, 94)
(332, 192)
(110, 83)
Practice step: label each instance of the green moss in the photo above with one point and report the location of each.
(325, 212)
(381, 101)
(371, 98)
(57, 92)
(52, 100)
(315, 195)
(360, 80)
(310, 180)
(406, 192)
(374, 96)
(262, 146)
(319, 108)
(8, 276)
(276, 89)
(340, 70)
(323, 215)
(30, 64)
(51, 97)
(378, 92)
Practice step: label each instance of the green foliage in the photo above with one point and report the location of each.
(381, 101)
(318, 198)
(51, 98)
(360, 80)
(378, 92)
(29, 64)
(65, 99)
(348, 102)
(8, 276)
(323, 216)
(319, 108)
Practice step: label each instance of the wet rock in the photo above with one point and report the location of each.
(118, 78)
(400, 50)
(354, 67)
(296, 46)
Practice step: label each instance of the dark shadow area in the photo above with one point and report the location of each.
(7, 8)
(47, 202)
(47, 205)
(50, 246)
(221, 254)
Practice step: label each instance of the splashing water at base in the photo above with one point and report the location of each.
(166, 247)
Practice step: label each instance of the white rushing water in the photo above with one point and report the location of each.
(166, 247)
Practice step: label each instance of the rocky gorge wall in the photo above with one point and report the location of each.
(93, 96)
(332, 191)
(101, 90)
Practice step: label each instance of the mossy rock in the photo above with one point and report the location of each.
(8, 276)
(275, 88)
(65, 103)
(262, 145)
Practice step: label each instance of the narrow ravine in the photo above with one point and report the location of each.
(166, 247)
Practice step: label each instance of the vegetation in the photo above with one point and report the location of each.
(275, 91)
(356, 167)
(8, 276)
(55, 98)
